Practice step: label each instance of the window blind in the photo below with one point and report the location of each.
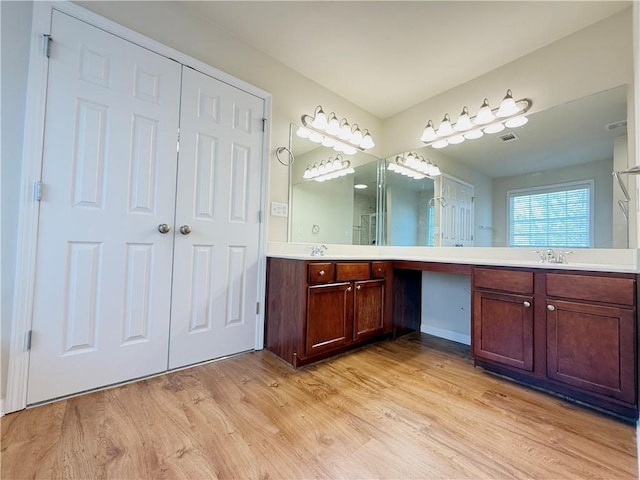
(553, 216)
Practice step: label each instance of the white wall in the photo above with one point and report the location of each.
(15, 36)
(599, 171)
(446, 306)
(402, 226)
(592, 60)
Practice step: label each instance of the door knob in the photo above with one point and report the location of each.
(163, 228)
(551, 308)
(185, 229)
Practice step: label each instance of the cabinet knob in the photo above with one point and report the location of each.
(358, 287)
(526, 304)
(321, 273)
(348, 289)
(551, 308)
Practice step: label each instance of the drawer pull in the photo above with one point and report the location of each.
(551, 308)
(527, 304)
(321, 273)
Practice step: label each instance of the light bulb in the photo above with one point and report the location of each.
(316, 137)
(307, 173)
(319, 119)
(339, 147)
(435, 170)
(333, 125)
(454, 140)
(473, 134)
(322, 169)
(445, 128)
(303, 132)
(494, 128)
(314, 171)
(367, 141)
(516, 121)
(328, 142)
(464, 122)
(429, 134)
(349, 150)
(508, 106)
(345, 130)
(484, 114)
(440, 144)
(356, 136)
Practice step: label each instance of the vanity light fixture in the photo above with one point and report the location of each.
(510, 114)
(328, 170)
(414, 166)
(334, 133)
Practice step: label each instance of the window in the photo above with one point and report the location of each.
(552, 216)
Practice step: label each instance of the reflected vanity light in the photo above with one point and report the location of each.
(359, 186)
(328, 170)
(331, 132)
(414, 166)
(510, 114)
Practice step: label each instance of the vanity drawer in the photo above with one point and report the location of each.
(353, 271)
(379, 269)
(505, 280)
(321, 272)
(592, 288)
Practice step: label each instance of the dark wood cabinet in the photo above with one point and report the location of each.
(368, 311)
(503, 331)
(571, 333)
(316, 309)
(329, 313)
(592, 347)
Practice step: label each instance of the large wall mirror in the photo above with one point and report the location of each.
(577, 143)
(342, 210)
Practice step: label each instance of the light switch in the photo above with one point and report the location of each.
(279, 209)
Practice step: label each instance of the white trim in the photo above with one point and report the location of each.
(446, 334)
(1, 407)
(33, 141)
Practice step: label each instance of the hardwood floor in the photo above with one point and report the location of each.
(410, 408)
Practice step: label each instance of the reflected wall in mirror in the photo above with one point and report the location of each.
(342, 210)
(581, 141)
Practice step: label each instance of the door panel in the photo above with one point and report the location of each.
(103, 275)
(592, 347)
(503, 328)
(329, 317)
(368, 315)
(216, 264)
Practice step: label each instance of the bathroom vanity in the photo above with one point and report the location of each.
(565, 329)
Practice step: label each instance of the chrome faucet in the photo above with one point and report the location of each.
(318, 250)
(549, 256)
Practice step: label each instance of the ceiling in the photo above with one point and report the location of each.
(386, 56)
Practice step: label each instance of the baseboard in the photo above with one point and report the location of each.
(447, 334)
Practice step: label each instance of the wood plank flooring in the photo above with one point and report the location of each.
(411, 408)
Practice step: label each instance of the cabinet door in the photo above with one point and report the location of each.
(503, 328)
(368, 313)
(592, 347)
(329, 317)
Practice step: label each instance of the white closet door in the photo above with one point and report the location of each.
(215, 269)
(456, 214)
(103, 279)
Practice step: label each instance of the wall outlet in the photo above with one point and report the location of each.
(279, 209)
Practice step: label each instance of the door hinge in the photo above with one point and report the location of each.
(257, 308)
(259, 216)
(264, 124)
(37, 191)
(178, 142)
(47, 45)
(28, 340)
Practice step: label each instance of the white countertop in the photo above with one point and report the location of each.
(591, 259)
